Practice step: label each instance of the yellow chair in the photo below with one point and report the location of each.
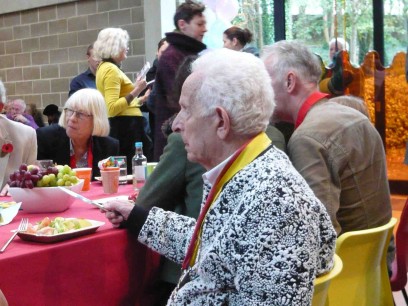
(321, 283)
(364, 279)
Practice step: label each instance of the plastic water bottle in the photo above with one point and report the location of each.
(139, 163)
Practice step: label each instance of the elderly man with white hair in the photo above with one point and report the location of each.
(336, 44)
(262, 236)
(16, 113)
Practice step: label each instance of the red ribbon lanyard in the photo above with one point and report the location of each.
(72, 159)
(307, 105)
(208, 202)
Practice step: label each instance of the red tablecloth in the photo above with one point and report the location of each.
(108, 267)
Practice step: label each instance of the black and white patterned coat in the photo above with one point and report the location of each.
(264, 240)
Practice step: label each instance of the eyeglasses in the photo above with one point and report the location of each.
(81, 116)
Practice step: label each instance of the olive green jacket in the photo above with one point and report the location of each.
(176, 185)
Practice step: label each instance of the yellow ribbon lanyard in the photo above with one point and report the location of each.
(254, 148)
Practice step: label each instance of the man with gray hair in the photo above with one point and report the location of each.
(16, 112)
(262, 236)
(335, 148)
(336, 44)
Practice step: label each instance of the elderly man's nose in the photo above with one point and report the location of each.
(176, 124)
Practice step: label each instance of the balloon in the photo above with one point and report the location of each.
(210, 17)
(226, 10)
(210, 4)
(213, 38)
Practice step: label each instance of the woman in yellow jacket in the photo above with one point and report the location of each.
(120, 93)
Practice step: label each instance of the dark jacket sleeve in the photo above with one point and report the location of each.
(53, 143)
(150, 100)
(166, 70)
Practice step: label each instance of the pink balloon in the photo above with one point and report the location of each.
(210, 3)
(227, 9)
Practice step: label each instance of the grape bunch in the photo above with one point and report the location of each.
(32, 176)
(24, 178)
(66, 176)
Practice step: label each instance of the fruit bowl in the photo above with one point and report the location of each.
(44, 199)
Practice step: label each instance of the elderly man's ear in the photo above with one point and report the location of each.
(223, 123)
(290, 82)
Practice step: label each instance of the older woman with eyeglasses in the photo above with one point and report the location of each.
(80, 139)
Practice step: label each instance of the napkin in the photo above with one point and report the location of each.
(8, 214)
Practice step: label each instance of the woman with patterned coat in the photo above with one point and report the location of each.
(262, 236)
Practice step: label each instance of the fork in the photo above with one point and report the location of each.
(21, 228)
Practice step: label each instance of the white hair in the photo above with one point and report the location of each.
(341, 43)
(239, 83)
(110, 43)
(292, 55)
(21, 102)
(89, 101)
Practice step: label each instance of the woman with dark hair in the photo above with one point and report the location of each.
(235, 38)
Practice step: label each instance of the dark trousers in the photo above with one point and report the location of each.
(128, 130)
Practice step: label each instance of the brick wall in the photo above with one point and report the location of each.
(42, 49)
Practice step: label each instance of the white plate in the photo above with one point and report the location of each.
(63, 236)
(129, 178)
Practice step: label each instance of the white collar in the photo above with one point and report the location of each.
(211, 175)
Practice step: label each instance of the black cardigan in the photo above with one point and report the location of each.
(53, 143)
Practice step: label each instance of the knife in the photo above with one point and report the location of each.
(78, 196)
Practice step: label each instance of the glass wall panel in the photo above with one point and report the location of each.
(257, 16)
(395, 28)
(317, 22)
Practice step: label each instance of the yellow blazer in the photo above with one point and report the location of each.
(114, 85)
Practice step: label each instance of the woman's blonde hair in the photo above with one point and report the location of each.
(110, 43)
(89, 101)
